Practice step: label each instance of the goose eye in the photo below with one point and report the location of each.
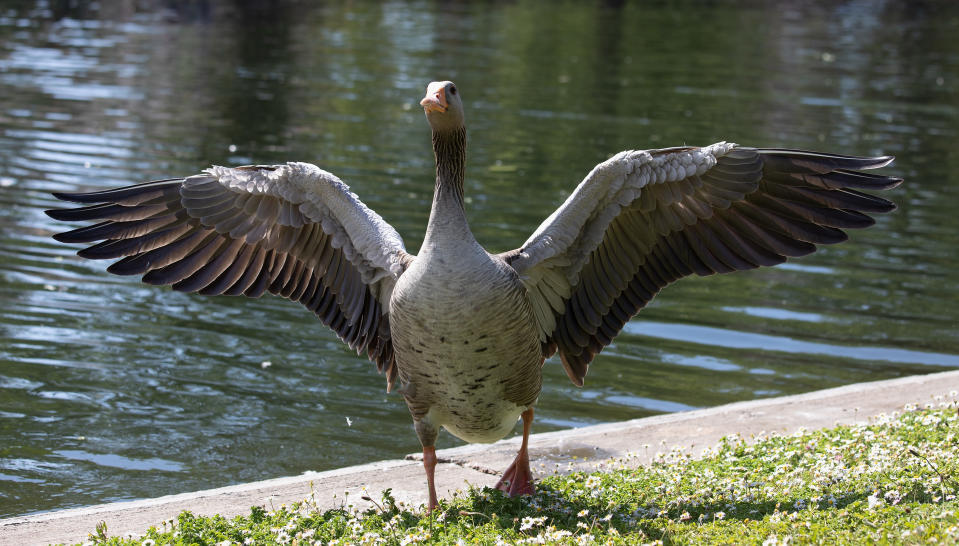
(452, 89)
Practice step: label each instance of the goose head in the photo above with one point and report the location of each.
(443, 107)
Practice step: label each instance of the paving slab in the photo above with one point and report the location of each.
(563, 451)
(583, 448)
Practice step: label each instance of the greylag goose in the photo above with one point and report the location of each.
(463, 332)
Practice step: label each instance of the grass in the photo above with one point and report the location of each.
(894, 480)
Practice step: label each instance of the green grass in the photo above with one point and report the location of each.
(893, 481)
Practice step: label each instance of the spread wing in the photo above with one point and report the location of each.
(292, 230)
(642, 220)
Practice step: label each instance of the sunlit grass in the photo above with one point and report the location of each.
(894, 480)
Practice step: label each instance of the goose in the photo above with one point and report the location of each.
(460, 332)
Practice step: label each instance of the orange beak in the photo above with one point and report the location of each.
(435, 99)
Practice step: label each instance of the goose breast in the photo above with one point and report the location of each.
(466, 345)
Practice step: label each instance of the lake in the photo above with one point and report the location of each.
(111, 389)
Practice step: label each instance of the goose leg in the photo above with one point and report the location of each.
(518, 478)
(429, 463)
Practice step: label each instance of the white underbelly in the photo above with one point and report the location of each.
(493, 429)
(468, 352)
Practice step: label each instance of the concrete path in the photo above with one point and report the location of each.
(564, 451)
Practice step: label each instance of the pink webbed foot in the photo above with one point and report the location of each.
(518, 478)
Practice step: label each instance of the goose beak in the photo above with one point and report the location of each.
(435, 99)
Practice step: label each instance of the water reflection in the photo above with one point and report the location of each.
(110, 389)
(118, 461)
(745, 340)
(779, 314)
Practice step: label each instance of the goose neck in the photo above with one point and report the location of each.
(449, 148)
(448, 226)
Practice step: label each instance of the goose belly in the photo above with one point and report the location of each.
(467, 351)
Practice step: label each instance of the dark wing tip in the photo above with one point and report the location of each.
(893, 181)
(823, 162)
(62, 215)
(869, 162)
(882, 161)
(575, 366)
(860, 180)
(63, 237)
(80, 197)
(142, 191)
(64, 196)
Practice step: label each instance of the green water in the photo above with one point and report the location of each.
(110, 389)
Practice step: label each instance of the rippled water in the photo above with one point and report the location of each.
(111, 390)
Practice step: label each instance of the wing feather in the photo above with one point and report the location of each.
(642, 220)
(293, 230)
(232, 273)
